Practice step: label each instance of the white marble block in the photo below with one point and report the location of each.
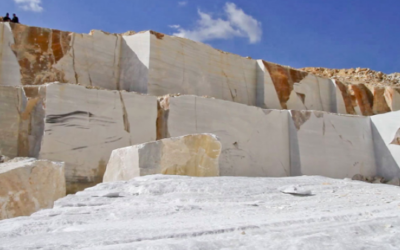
(331, 145)
(28, 185)
(12, 103)
(192, 155)
(74, 124)
(386, 133)
(179, 65)
(83, 126)
(255, 142)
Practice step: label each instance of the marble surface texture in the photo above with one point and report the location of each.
(76, 125)
(191, 155)
(157, 64)
(28, 185)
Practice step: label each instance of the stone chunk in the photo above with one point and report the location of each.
(28, 185)
(193, 155)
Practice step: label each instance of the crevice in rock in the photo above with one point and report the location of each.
(162, 117)
(300, 117)
(125, 114)
(117, 60)
(73, 59)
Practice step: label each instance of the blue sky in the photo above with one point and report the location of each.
(299, 33)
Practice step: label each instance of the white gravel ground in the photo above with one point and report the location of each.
(173, 212)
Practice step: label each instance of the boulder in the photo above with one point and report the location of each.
(28, 185)
(192, 155)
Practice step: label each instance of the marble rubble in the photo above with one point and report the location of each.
(191, 155)
(73, 124)
(179, 212)
(28, 185)
(157, 64)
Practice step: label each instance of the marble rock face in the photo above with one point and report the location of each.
(179, 65)
(386, 132)
(34, 56)
(157, 64)
(28, 185)
(259, 142)
(192, 155)
(280, 87)
(332, 145)
(77, 125)
(12, 104)
(255, 142)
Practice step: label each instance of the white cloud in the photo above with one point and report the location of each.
(244, 22)
(183, 3)
(30, 5)
(236, 24)
(175, 26)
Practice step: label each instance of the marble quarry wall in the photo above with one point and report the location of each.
(246, 133)
(77, 97)
(259, 142)
(77, 125)
(81, 126)
(157, 64)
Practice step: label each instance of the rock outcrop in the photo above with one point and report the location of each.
(191, 155)
(77, 125)
(177, 212)
(28, 185)
(356, 76)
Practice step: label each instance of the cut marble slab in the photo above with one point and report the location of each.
(255, 142)
(9, 67)
(177, 212)
(12, 103)
(386, 133)
(332, 145)
(192, 155)
(279, 142)
(74, 124)
(28, 185)
(83, 126)
(179, 65)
